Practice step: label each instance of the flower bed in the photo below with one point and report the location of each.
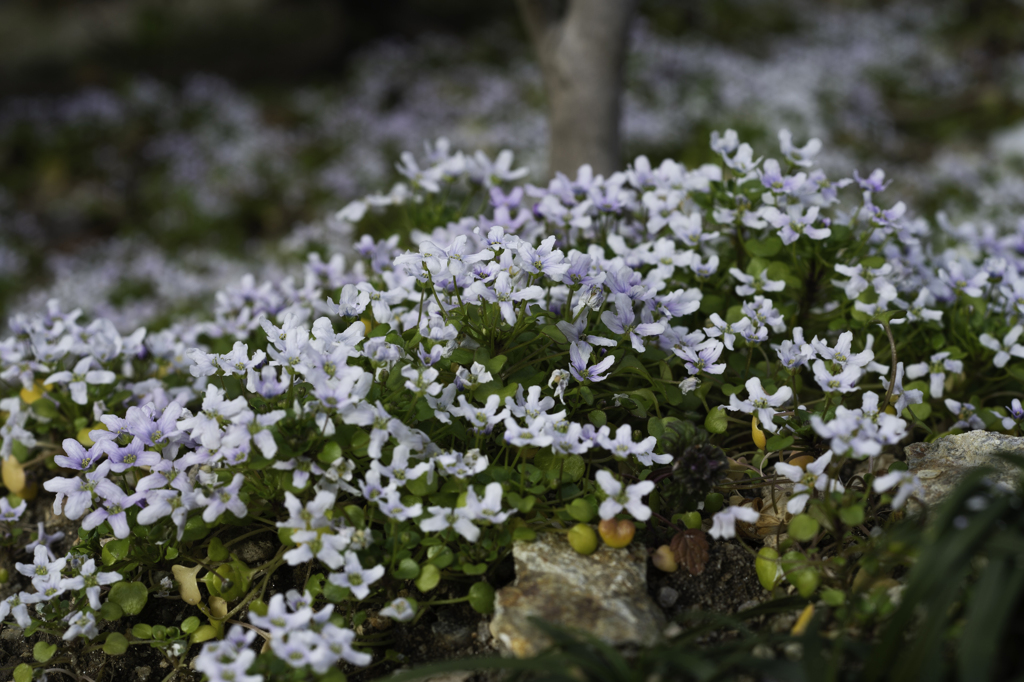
(655, 348)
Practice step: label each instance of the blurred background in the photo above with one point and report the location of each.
(152, 151)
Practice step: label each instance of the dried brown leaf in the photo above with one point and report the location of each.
(690, 548)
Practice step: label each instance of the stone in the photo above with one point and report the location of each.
(452, 634)
(667, 597)
(940, 465)
(603, 594)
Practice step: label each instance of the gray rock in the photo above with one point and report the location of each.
(667, 597)
(604, 594)
(941, 465)
(452, 634)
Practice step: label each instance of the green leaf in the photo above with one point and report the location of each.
(171, 554)
(714, 502)
(731, 389)
(803, 528)
(142, 631)
(45, 408)
(116, 644)
(716, 421)
(216, 552)
(571, 467)
(430, 576)
(655, 427)
(441, 556)
(110, 611)
(598, 418)
(764, 249)
(554, 333)
(474, 569)
(407, 569)
(43, 651)
(495, 364)
(330, 452)
(188, 626)
(23, 673)
(481, 597)
(131, 597)
(631, 364)
(712, 304)
(462, 356)
(581, 510)
(205, 633)
(852, 516)
(778, 442)
(524, 534)
(115, 550)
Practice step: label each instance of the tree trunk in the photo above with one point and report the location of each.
(581, 46)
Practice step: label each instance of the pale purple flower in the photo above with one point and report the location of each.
(43, 568)
(355, 577)
(81, 623)
(78, 458)
(965, 415)
(114, 511)
(794, 223)
(579, 369)
(223, 499)
(489, 508)
(843, 381)
(623, 321)
(1015, 410)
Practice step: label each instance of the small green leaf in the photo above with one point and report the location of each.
(43, 651)
(656, 427)
(554, 333)
(587, 395)
(110, 611)
(115, 550)
(172, 553)
(116, 644)
(142, 631)
(131, 597)
(852, 516)
(216, 552)
(474, 569)
(833, 597)
(524, 534)
(462, 356)
(407, 569)
(481, 597)
(778, 442)
(763, 249)
(441, 556)
(23, 673)
(716, 421)
(189, 625)
(430, 576)
(495, 364)
(203, 634)
(769, 574)
(598, 418)
(803, 528)
(581, 509)
(330, 452)
(714, 502)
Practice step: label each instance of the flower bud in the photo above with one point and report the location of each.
(616, 533)
(583, 539)
(664, 559)
(758, 435)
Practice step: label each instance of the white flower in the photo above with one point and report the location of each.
(815, 477)
(399, 609)
(619, 497)
(909, 485)
(1008, 347)
(761, 402)
(723, 524)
